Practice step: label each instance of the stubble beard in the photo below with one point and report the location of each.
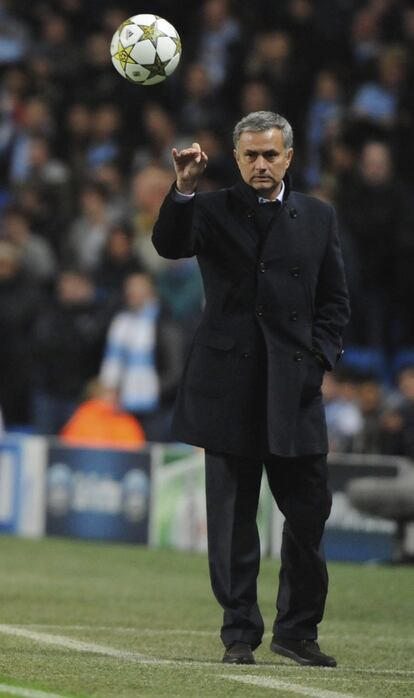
(266, 191)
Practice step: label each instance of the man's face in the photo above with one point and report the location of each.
(74, 289)
(138, 291)
(263, 160)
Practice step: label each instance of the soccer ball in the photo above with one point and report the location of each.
(145, 49)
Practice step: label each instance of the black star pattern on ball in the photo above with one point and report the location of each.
(150, 32)
(156, 68)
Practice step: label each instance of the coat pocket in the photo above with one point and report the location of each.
(312, 386)
(211, 364)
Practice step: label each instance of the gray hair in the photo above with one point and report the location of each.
(259, 121)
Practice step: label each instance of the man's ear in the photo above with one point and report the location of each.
(236, 155)
(289, 156)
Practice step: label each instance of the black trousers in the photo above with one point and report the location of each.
(299, 486)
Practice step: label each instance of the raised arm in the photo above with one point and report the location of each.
(178, 231)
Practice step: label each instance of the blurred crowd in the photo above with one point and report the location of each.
(85, 163)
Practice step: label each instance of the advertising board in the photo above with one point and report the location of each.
(100, 494)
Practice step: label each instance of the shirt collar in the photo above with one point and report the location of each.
(279, 197)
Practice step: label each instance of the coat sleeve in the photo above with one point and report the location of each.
(331, 302)
(180, 230)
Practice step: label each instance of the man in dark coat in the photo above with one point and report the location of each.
(276, 305)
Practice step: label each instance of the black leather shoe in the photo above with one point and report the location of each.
(238, 653)
(305, 652)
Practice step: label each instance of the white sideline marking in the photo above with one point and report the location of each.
(77, 645)
(395, 639)
(266, 682)
(26, 692)
(94, 648)
(120, 629)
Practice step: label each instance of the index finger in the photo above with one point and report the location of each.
(185, 153)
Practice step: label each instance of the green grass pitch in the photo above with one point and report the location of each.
(96, 620)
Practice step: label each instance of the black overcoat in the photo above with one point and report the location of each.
(251, 383)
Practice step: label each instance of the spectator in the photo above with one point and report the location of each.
(99, 82)
(98, 423)
(301, 25)
(68, 340)
(42, 212)
(160, 131)
(110, 176)
(199, 105)
(371, 403)
(374, 211)
(378, 101)
(343, 416)
(49, 173)
(19, 301)
(58, 46)
(398, 421)
(44, 169)
(14, 41)
(77, 134)
(104, 146)
(12, 93)
(341, 158)
(149, 187)
(365, 37)
(181, 292)
(218, 42)
(221, 169)
(324, 113)
(118, 260)
(270, 61)
(42, 84)
(143, 358)
(89, 232)
(36, 256)
(256, 95)
(37, 119)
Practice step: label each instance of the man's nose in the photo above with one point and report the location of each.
(261, 163)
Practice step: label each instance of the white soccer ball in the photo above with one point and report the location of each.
(146, 49)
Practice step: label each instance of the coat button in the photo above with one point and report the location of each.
(246, 355)
(294, 315)
(298, 356)
(262, 267)
(295, 272)
(259, 310)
